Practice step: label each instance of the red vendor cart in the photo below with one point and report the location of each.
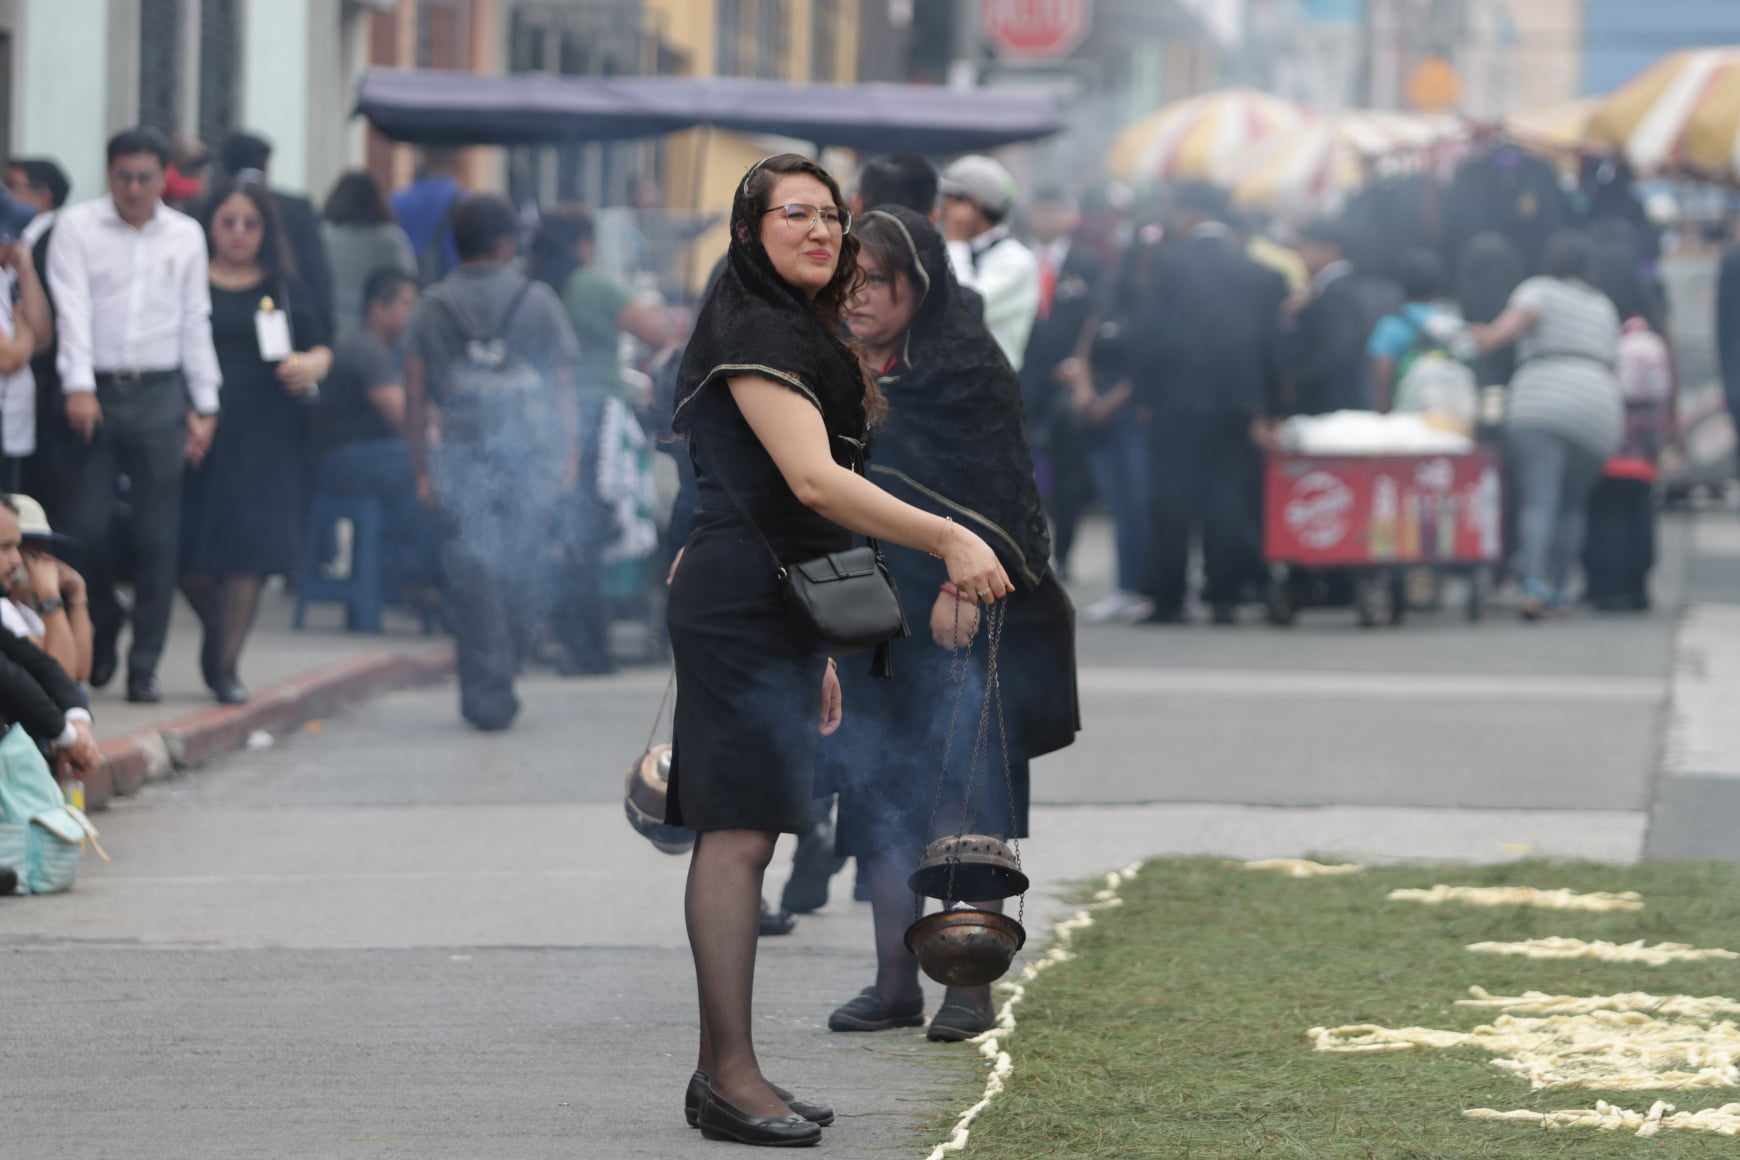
(1377, 517)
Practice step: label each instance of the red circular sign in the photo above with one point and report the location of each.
(1319, 510)
(1035, 29)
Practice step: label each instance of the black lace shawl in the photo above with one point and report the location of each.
(755, 323)
(953, 442)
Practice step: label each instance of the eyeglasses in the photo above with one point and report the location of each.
(799, 216)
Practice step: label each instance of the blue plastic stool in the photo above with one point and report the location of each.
(360, 592)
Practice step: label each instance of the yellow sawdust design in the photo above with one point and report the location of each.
(1723, 1121)
(1707, 1008)
(1521, 896)
(1604, 1050)
(1657, 955)
(1301, 867)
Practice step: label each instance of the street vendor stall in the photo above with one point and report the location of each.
(425, 107)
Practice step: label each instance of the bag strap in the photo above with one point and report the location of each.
(779, 566)
(500, 332)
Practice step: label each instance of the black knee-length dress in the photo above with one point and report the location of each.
(749, 674)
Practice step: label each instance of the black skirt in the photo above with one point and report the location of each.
(749, 681)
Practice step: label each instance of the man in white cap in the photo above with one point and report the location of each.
(978, 197)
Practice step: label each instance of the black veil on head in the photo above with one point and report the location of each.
(954, 442)
(756, 323)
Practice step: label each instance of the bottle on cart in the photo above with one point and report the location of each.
(1385, 512)
(1410, 540)
(1447, 527)
(1488, 514)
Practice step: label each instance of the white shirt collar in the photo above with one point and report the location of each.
(112, 216)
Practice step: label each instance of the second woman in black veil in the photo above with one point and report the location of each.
(952, 444)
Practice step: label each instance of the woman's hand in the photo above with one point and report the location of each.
(833, 701)
(953, 621)
(677, 562)
(300, 374)
(973, 567)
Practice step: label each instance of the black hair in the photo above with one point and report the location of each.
(45, 175)
(10, 504)
(383, 285)
(275, 257)
(747, 214)
(1421, 274)
(551, 258)
(899, 179)
(481, 223)
(886, 239)
(142, 139)
(1570, 254)
(1203, 198)
(356, 200)
(242, 151)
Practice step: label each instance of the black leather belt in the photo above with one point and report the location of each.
(132, 375)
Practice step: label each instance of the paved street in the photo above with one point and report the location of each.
(388, 936)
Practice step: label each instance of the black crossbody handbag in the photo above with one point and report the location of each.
(848, 598)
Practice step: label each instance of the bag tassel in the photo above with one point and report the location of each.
(882, 662)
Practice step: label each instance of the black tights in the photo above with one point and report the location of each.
(225, 606)
(723, 912)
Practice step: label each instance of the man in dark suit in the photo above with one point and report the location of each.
(1070, 278)
(245, 153)
(1203, 336)
(1329, 337)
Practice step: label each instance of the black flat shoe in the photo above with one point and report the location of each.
(718, 1120)
(9, 885)
(867, 1013)
(231, 692)
(775, 922)
(820, 1115)
(142, 689)
(958, 1022)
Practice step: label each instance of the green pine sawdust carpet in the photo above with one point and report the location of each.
(1180, 1027)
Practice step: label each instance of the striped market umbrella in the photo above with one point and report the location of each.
(1681, 115)
(1312, 166)
(1201, 138)
(1562, 128)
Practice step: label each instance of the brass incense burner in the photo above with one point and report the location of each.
(965, 947)
(649, 783)
(970, 868)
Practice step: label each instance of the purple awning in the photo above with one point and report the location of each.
(451, 108)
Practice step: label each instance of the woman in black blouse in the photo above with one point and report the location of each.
(776, 409)
(242, 504)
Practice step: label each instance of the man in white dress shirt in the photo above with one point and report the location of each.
(141, 380)
(978, 196)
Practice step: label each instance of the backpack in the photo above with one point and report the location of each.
(1430, 379)
(41, 837)
(487, 369)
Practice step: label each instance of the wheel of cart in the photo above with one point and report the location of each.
(1380, 597)
(1479, 589)
(1281, 604)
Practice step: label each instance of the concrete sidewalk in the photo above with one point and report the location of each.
(295, 676)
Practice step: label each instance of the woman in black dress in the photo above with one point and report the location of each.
(241, 511)
(953, 445)
(776, 409)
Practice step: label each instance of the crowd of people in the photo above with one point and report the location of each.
(188, 359)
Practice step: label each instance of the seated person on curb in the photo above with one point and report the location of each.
(361, 429)
(45, 599)
(35, 691)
